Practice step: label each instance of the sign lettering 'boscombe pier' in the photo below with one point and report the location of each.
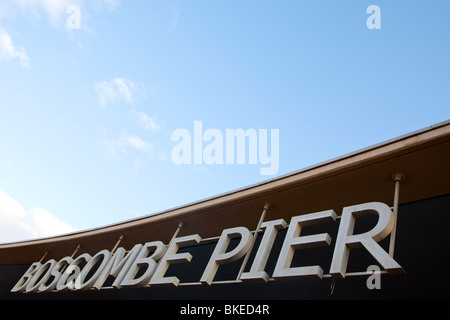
(146, 265)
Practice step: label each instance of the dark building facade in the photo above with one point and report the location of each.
(349, 228)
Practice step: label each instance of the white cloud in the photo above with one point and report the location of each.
(125, 92)
(128, 142)
(118, 90)
(18, 224)
(8, 51)
(147, 122)
(54, 9)
(176, 13)
(135, 142)
(55, 12)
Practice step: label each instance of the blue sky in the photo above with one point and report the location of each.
(87, 114)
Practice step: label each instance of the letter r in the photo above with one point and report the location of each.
(369, 240)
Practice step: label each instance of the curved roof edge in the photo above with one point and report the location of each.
(437, 133)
